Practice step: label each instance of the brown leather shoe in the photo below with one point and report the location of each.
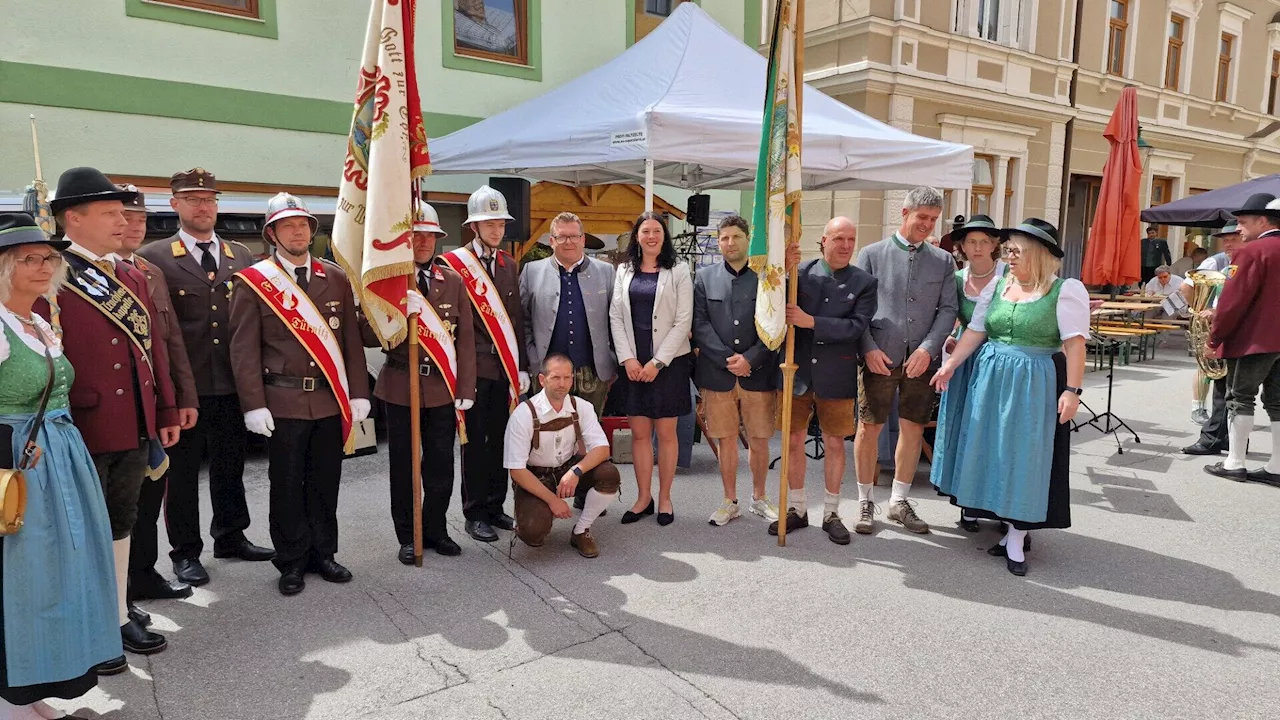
(585, 544)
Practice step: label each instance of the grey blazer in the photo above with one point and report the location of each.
(540, 298)
(917, 303)
(724, 324)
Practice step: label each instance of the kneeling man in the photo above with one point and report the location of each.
(554, 444)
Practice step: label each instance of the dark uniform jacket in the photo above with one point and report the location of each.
(109, 365)
(449, 298)
(724, 324)
(1245, 320)
(507, 280)
(167, 330)
(842, 304)
(202, 306)
(261, 343)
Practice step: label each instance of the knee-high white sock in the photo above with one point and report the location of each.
(1013, 544)
(46, 711)
(796, 501)
(1273, 465)
(121, 551)
(865, 492)
(9, 711)
(595, 503)
(1238, 429)
(900, 491)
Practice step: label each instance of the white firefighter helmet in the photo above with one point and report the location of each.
(426, 220)
(284, 205)
(486, 204)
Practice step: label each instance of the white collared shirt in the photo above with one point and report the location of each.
(290, 267)
(84, 252)
(483, 251)
(572, 267)
(555, 447)
(190, 241)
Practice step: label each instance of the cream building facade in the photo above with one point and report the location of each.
(999, 75)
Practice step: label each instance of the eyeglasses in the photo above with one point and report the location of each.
(35, 261)
(196, 202)
(569, 237)
(1012, 251)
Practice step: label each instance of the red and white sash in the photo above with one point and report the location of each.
(291, 304)
(437, 342)
(484, 296)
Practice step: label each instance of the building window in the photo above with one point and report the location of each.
(1009, 176)
(989, 20)
(241, 8)
(659, 7)
(1173, 54)
(1118, 27)
(491, 30)
(1225, 49)
(1274, 87)
(983, 185)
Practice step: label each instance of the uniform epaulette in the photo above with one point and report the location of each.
(238, 244)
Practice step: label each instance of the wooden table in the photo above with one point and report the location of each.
(1131, 305)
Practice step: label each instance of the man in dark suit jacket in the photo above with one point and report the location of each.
(287, 397)
(735, 371)
(144, 582)
(1244, 330)
(484, 481)
(442, 288)
(836, 303)
(122, 397)
(198, 267)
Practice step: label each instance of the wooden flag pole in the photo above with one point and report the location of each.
(789, 366)
(35, 146)
(415, 432)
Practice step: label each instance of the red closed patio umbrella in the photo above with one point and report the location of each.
(1113, 252)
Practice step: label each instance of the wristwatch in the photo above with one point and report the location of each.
(576, 470)
(659, 364)
(1076, 390)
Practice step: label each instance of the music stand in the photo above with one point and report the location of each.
(815, 438)
(1113, 423)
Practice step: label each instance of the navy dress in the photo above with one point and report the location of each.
(668, 396)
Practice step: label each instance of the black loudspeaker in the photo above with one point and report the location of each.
(698, 212)
(516, 191)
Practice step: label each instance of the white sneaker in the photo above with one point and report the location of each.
(727, 511)
(765, 509)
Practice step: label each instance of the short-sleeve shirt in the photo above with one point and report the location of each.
(555, 447)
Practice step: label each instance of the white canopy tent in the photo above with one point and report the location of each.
(682, 108)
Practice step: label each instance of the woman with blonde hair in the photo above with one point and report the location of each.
(1020, 401)
(57, 574)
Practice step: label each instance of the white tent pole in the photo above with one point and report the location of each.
(648, 185)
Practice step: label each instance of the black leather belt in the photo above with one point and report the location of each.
(305, 384)
(402, 364)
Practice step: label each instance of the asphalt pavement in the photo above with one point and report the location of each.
(1162, 601)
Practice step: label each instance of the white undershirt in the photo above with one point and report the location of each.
(1072, 310)
(555, 448)
(10, 319)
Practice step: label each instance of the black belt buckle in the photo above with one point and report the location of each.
(424, 370)
(308, 384)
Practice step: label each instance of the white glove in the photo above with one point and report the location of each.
(259, 421)
(416, 303)
(463, 405)
(524, 382)
(359, 409)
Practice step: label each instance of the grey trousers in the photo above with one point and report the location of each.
(1245, 376)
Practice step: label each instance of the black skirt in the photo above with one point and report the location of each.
(27, 694)
(1058, 514)
(668, 396)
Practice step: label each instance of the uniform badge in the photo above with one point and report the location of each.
(1230, 272)
(335, 322)
(333, 304)
(445, 306)
(178, 249)
(493, 204)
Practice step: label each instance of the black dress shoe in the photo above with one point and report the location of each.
(481, 530)
(997, 551)
(503, 521)
(292, 582)
(1015, 567)
(1200, 448)
(629, 517)
(111, 667)
(332, 571)
(138, 615)
(406, 554)
(443, 546)
(1217, 469)
(835, 529)
(795, 521)
(137, 639)
(151, 586)
(665, 519)
(969, 526)
(1262, 476)
(190, 571)
(245, 550)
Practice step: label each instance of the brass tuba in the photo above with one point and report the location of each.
(1206, 286)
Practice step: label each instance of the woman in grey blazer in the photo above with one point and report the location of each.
(650, 318)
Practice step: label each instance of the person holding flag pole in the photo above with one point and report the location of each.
(373, 227)
(776, 222)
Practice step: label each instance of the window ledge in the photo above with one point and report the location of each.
(532, 70)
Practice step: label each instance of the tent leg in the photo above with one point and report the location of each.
(648, 185)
